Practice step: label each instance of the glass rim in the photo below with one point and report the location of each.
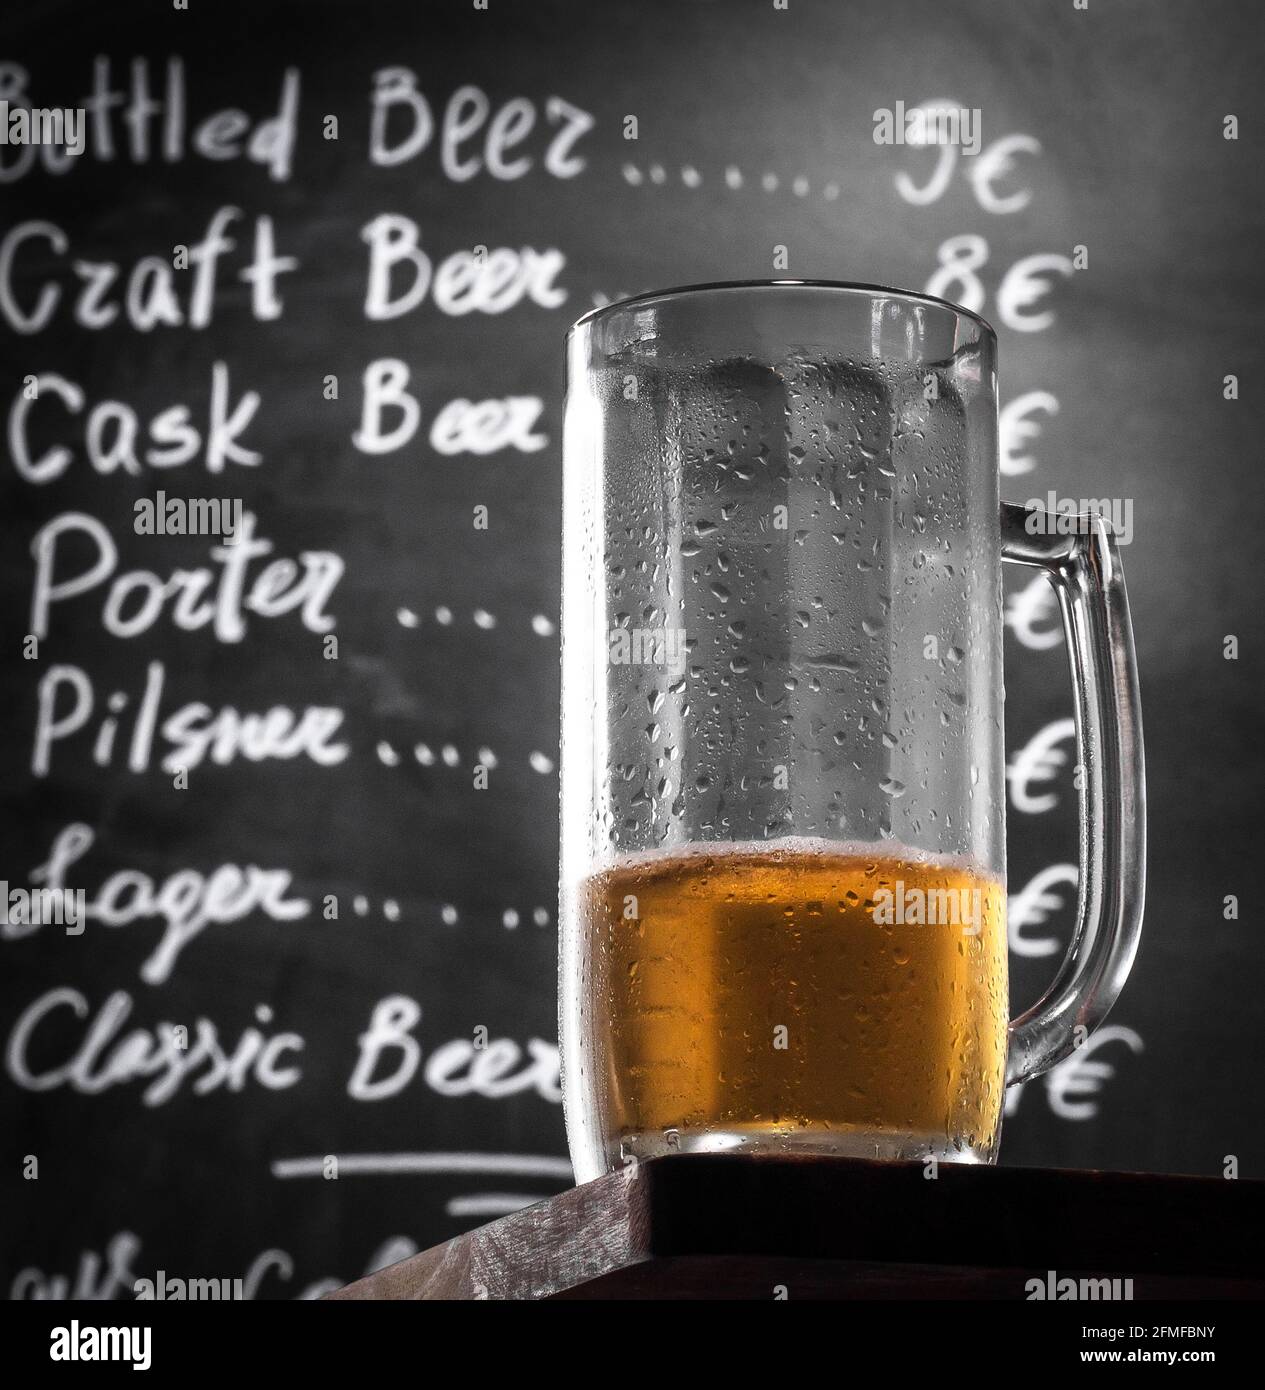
(850, 286)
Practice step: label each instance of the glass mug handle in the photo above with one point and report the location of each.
(1084, 567)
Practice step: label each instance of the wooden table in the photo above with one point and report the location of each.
(723, 1226)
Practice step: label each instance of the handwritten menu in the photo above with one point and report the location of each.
(280, 354)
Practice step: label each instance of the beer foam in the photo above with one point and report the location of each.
(789, 847)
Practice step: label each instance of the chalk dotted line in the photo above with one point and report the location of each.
(656, 175)
(511, 917)
(450, 756)
(541, 625)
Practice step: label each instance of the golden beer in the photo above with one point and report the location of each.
(803, 996)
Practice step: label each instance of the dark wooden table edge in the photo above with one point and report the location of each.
(1159, 1230)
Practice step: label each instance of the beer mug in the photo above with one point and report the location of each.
(783, 901)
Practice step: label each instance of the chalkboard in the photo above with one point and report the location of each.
(316, 261)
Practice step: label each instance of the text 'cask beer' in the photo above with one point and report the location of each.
(848, 1000)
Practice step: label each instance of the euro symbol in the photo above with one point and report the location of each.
(1078, 1077)
(1037, 761)
(1032, 904)
(1032, 605)
(1026, 282)
(994, 164)
(1016, 427)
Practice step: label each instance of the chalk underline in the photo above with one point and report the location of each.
(533, 1165)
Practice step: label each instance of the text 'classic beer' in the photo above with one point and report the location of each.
(739, 995)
